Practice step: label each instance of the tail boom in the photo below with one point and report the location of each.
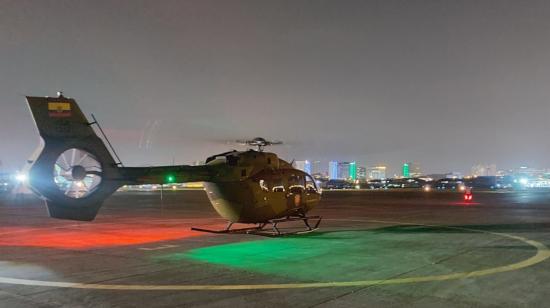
(165, 174)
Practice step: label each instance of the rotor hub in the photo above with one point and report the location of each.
(78, 173)
(259, 142)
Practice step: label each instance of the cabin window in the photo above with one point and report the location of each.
(269, 161)
(243, 172)
(296, 179)
(278, 185)
(310, 185)
(296, 183)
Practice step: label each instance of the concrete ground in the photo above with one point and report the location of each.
(374, 248)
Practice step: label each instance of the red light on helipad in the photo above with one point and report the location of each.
(94, 236)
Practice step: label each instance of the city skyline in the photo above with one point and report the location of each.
(446, 84)
(413, 169)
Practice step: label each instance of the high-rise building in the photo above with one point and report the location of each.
(414, 170)
(304, 165)
(377, 172)
(344, 169)
(411, 170)
(406, 173)
(353, 171)
(316, 167)
(361, 173)
(333, 170)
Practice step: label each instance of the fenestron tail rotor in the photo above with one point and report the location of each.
(77, 173)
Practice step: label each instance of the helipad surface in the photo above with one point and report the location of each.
(373, 248)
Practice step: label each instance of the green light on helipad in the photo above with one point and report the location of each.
(333, 256)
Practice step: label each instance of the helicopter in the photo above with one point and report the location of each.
(74, 171)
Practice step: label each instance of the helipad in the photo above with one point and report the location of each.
(374, 247)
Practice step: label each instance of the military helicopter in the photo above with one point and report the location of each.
(74, 172)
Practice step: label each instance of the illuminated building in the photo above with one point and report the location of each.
(377, 172)
(344, 169)
(304, 165)
(316, 167)
(353, 171)
(411, 170)
(333, 170)
(406, 170)
(361, 173)
(414, 170)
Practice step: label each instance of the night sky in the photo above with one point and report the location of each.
(447, 84)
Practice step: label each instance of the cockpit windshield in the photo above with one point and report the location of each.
(310, 184)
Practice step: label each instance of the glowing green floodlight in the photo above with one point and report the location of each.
(170, 178)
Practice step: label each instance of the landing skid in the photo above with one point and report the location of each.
(260, 228)
(275, 231)
(229, 230)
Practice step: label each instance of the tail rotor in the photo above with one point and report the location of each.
(77, 173)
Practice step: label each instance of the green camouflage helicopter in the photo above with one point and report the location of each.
(74, 172)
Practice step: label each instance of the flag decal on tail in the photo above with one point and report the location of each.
(59, 109)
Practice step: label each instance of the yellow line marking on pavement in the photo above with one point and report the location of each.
(542, 254)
